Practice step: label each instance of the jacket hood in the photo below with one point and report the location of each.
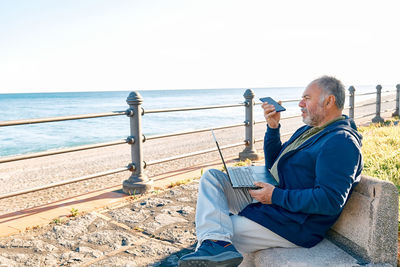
(348, 125)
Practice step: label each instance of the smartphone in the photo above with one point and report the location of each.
(269, 100)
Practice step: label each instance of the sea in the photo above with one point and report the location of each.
(23, 139)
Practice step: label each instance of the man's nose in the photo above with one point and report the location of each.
(301, 103)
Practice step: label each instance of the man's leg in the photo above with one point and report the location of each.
(250, 236)
(216, 200)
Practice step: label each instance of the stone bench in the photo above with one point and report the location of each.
(365, 234)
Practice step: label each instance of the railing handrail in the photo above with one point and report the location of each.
(193, 154)
(283, 101)
(70, 181)
(60, 151)
(373, 93)
(152, 137)
(62, 118)
(106, 114)
(191, 108)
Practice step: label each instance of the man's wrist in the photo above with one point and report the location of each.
(275, 128)
(270, 196)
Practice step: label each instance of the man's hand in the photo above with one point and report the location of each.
(271, 116)
(264, 194)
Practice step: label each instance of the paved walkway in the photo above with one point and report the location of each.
(19, 221)
(113, 230)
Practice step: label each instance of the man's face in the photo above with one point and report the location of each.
(311, 105)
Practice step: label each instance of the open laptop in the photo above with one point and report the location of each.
(244, 177)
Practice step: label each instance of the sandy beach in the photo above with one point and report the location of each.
(19, 175)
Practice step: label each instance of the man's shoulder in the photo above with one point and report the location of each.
(343, 140)
(343, 130)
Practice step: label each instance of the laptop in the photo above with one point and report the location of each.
(244, 177)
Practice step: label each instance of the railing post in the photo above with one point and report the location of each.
(351, 102)
(396, 112)
(138, 182)
(249, 151)
(378, 117)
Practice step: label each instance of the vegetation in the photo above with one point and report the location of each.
(381, 151)
(247, 162)
(73, 212)
(132, 195)
(56, 221)
(181, 182)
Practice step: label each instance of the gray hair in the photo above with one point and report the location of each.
(332, 86)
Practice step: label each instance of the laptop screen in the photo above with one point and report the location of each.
(219, 150)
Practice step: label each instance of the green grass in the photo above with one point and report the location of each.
(73, 212)
(247, 162)
(179, 183)
(381, 152)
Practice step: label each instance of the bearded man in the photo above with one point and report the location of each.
(317, 169)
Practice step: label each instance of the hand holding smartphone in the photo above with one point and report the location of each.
(269, 100)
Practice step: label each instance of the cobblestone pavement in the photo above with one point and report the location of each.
(153, 230)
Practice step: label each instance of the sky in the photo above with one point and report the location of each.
(117, 45)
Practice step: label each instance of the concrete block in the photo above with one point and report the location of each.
(323, 254)
(364, 235)
(248, 260)
(367, 227)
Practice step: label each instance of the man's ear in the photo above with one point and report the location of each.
(331, 100)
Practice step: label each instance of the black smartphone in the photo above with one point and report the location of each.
(269, 100)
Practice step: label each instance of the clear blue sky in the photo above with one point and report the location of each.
(183, 44)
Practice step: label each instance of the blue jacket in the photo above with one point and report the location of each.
(315, 182)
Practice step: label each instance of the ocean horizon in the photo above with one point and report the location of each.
(23, 139)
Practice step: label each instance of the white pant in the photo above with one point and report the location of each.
(216, 200)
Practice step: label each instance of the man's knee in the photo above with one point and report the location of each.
(214, 177)
(213, 174)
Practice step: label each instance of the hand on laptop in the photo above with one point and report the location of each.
(264, 194)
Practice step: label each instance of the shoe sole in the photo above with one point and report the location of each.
(207, 263)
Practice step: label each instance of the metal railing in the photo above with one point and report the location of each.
(62, 118)
(138, 182)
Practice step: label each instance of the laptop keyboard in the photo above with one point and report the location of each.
(243, 176)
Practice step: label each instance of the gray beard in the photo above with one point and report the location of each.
(313, 121)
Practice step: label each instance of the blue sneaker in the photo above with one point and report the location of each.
(211, 254)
